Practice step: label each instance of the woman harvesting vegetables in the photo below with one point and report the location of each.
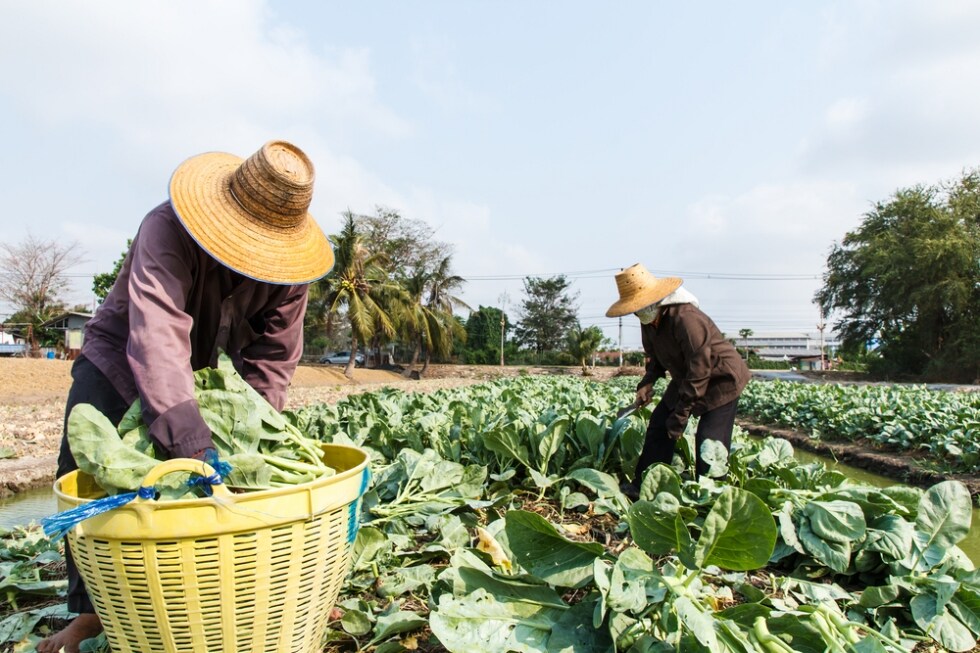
(706, 373)
(224, 265)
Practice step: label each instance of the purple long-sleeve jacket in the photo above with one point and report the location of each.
(171, 310)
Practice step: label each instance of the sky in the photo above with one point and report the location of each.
(730, 144)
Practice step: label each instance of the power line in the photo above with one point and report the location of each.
(601, 274)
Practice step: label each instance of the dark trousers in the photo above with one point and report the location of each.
(89, 386)
(716, 424)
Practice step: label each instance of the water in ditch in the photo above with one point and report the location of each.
(970, 545)
(26, 507)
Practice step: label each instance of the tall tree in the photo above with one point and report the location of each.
(908, 280)
(355, 285)
(745, 334)
(33, 279)
(583, 343)
(547, 313)
(429, 322)
(406, 243)
(483, 335)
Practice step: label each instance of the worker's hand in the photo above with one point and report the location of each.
(643, 395)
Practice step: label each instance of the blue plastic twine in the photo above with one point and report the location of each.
(57, 525)
(353, 523)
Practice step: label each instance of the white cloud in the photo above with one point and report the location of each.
(914, 120)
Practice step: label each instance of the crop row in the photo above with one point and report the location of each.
(943, 427)
(494, 522)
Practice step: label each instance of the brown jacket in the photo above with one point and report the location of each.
(705, 369)
(171, 309)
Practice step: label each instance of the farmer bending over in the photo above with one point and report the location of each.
(706, 373)
(223, 265)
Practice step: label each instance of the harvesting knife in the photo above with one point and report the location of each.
(626, 410)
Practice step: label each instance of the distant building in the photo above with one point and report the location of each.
(801, 349)
(73, 324)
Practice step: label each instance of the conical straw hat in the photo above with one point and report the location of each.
(253, 215)
(638, 289)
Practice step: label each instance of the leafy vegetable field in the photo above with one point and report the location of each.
(494, 522)
(941, 427)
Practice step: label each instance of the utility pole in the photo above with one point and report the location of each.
(620, 341)
(820, 327)
(503, 320)
(621, 335)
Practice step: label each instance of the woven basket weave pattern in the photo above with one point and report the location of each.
(250, 587)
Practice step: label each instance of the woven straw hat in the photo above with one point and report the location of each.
(253, 215)
(638, 289)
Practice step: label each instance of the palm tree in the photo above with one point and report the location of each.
(357, 283)
(427, 320)
(582, 343)
(442, 301)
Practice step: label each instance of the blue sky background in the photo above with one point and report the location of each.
(727, 143)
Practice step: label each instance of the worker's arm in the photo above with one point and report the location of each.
(269, 361)
(694, 340)
(158, 347)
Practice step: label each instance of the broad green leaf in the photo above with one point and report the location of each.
(836, 521)
(774, 450)
(356, 622)
(723, 540)
(369, 543)
(508, 442)
(660, 478)
(873, 597)
(966, 606)
(573, 632)
(787, 528)
(542, 551)
(248, 471)
(835, 555)
(890, 536)
(628, 579)
(604, 485)
(590, 432)
(933, 618)
(18, 625)
(395, 623)
(550, 442)
(715, 456)
(478, 623)
(656, 526)
(405, 579)
(100, 452)
(467, 574)
(700, 623)
(944, 515)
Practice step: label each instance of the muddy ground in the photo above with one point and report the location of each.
(33, 392)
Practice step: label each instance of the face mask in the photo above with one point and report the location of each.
(648, 314)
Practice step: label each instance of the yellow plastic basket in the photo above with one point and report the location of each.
(257, 571)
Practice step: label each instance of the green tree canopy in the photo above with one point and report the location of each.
(583, 343)
(909, 279)
(483, 336)
(548, 313)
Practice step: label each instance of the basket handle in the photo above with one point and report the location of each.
(191, 465)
